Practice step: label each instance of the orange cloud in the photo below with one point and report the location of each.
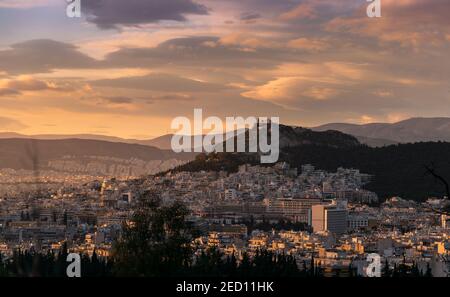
(246, 41)
(383, 93)
(27, 83)
(365, 119)
(397, 117)
(320, 93)
(309, 44)
(302, 11)
(399, 23)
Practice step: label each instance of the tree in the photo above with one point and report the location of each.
(312, 268)
(386, 272)
(65, 218)
(210, 263)
(415, 272)
(352, 271)
(428, 272)
(34, 264)
(3, 269)
(431, 170)
(231, 265)
(395, 271)
(155, 242)
(246, 265)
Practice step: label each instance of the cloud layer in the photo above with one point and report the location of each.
(307, 61)
(107, 14)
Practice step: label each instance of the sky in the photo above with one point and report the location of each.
(128, 68)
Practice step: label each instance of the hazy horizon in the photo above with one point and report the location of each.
(151, 137)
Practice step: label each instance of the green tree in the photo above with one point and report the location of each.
(155, 242)
(386, 271)
(415, 272)
(428, 272)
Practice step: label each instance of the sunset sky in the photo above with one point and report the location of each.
(127, 68)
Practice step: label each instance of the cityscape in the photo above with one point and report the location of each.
(307, 213)
(219, 146)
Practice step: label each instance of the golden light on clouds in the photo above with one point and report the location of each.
(304, 10)
(312, 62)
(309, 44)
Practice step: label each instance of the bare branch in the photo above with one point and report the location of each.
(432, 171)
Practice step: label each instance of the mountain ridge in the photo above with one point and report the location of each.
(415, 129)
(418, 129)
(87, 156)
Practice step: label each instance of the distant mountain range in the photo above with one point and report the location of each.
(162, 142)
(95, 157)
(408, 131)
(8, 135)
(376, 134)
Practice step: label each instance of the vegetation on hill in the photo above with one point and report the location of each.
(398, 170)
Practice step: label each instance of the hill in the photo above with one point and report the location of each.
(408, 131)
(87, 156)
(9, 135)
(290, 137)
(399, 170)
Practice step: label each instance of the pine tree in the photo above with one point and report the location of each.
(415, 272)
(395, 271)
(386, 272)
(428, 272)
(156, 242)
(245, 268)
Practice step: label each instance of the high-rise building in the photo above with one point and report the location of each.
(317, 218)
(332, 218)
(444, 219)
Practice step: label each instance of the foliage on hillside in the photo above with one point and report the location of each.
(399, 170)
